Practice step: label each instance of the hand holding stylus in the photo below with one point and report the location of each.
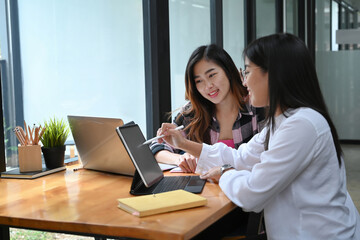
(170, 134)
(162, 135)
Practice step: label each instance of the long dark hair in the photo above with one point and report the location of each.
(293, 81)
(202, 109)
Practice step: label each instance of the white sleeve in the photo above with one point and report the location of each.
(290, 152)
(219, 154)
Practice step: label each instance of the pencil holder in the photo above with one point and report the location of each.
(30, 158)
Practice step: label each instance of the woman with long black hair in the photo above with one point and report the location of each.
(293, 169)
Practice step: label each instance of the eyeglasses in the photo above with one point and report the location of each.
(244, 74)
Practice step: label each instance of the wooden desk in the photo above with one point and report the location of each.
(85, 202)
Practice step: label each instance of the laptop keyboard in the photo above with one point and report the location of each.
(172, 183)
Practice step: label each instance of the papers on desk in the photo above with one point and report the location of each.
(177, 169)
(165, 167)
(146, 205)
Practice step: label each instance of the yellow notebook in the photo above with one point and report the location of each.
(161, 202)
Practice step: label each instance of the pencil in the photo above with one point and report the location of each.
(22, 134)
(155, 138)
(36, 137)
(42, 132)
(31, 135)
(27, 139)
(19, 136)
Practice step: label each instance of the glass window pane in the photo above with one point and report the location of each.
(189, 28)
(291, 16)
(82, 58)
(338, 73)
(343, 18)
(265, 25)
(323, 25)
(334, 25)
(233, 27)
(10, 142)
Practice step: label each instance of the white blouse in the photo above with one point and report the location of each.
(297, 182)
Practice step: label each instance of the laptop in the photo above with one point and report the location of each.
(99, 146)
(149, 178)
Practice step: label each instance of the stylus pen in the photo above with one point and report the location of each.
(155, 138)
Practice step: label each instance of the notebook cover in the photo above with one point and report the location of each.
(146, 205)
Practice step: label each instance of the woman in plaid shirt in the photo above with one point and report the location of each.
(218, 109)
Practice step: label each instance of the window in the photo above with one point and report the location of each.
(323, 20)
(265, 25)
(76, 58)
(291, 16)
(82, 58)
(338, 71)
(334, 25)
(234, 30)
(186, 34)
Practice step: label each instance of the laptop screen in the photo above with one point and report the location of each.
(140, 154)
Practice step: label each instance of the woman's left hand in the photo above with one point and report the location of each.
(213, 174)
(187, 163)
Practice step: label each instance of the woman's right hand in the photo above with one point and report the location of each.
(187, 163)
(158, 133)
(172, 136)
(177, 140)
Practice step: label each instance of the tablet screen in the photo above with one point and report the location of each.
(140, 154)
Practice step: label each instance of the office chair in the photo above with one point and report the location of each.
(236, 225)
(255, 229)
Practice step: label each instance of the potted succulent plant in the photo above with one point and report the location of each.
(53, 140)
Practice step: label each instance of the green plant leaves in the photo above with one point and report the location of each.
(55, 134)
